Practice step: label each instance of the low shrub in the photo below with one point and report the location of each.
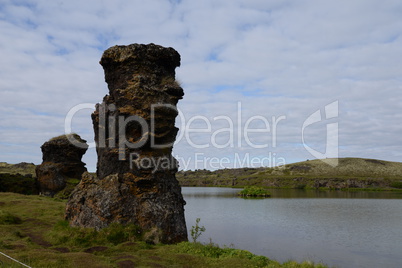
(255, 191)
(396, 184)
(197, 230)
(301, 186)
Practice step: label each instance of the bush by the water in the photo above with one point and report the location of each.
(396, 184)
(197, 230)
(255, 191)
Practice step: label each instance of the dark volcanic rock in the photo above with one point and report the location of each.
(61, 161)
(138, 77)
(134, 133)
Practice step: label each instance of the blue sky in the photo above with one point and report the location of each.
(277, 58)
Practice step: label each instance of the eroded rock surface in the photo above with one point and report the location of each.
(61, 162)
(134, 133)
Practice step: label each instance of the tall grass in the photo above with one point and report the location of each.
(9, 218)
(76, 237)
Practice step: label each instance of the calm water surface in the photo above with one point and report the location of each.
(342, 229)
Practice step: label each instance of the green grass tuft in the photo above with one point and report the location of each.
(255, 191)
(75, 237)
(9, 218)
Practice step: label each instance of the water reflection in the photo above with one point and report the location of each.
(346, 229)
(292, 193)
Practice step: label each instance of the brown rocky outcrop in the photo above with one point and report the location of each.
(134, 133)
(61, 162)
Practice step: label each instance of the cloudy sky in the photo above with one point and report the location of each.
(297, 79)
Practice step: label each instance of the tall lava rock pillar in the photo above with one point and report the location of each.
(134, 133)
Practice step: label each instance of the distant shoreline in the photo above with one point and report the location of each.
(351, 174)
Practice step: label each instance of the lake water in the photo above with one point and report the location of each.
(342, 229)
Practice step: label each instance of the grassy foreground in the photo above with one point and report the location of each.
(33, 231)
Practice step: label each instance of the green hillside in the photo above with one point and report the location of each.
(20, 168)
(349, 173)
(18, 178)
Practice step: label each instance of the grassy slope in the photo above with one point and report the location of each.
(18, 178)
(21, 168)
(348, 167)
(32, 230)
(349, 173)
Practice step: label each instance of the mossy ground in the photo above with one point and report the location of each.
(33, 231)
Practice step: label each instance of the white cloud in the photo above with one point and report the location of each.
(279, 58)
